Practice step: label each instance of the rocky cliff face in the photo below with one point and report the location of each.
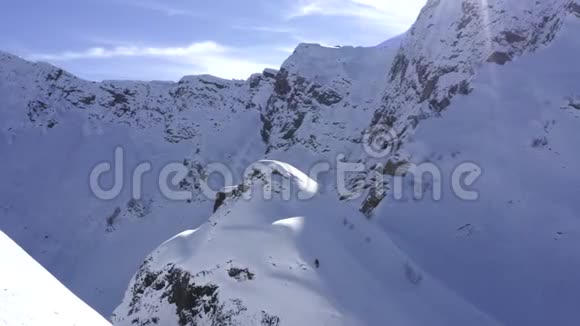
(441, 53)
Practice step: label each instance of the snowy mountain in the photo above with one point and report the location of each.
(29, 295)
(486, 88)
(287, 262)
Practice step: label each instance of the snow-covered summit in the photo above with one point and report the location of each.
(287, 262)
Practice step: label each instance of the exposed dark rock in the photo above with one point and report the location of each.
(575, 106)
(269, 320)
(282, 86)
(254, 81)
(118, 98)
(51, 123)
(179, 133)
(55, 76)
(512, 37)
(441, 105)
(373, 199)
(35, 108)
(185, 185)
(392, 168)
(211, 83)
(112, 218)
(501, 58)
(540, 142)
(463, 88)
(138, 207)
(194, 300)
(241, 274)
(220, 198)
(269, 73)
(429, 88)
(88, 100)
(469, 13)
(399, 67)
(296, 124)
(574, 8)
(325, 96)
(266, 129)
(190, 299)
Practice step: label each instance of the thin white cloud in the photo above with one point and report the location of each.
(395, 14)
(159, 6)
(197, 58)
(202, 48)
(267, 29)
(377, 19)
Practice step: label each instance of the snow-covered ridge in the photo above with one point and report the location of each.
(277, 262)
(30, 296)
(43, 92)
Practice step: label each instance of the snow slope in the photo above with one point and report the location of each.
(30, 296)
(279, 262)
(514, 252)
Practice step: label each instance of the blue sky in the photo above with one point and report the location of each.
(166, 39)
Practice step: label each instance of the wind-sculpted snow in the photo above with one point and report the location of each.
(300, 180)
(279, 262)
